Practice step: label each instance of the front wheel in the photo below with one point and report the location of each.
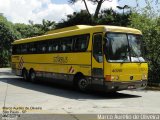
(32, 76)
(83, 84)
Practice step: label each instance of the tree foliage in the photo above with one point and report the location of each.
(111, 17)
(77, 18)
(7, 35)
(47, 25)
(25, 31)
(148, 21)
(96, 2)
(32, 29)
(10, 32)
(106, 17)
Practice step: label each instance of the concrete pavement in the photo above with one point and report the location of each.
(46, 98)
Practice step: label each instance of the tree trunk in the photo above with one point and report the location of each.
(98, 9)
(86, 7)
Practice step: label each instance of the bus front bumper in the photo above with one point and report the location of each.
(110, 86)
(116, 86)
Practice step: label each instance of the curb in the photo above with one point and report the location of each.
(152, 88)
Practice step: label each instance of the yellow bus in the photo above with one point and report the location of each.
(101, 57)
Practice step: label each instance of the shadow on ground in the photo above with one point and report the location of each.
(61, 90)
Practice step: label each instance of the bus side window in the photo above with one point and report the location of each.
(14, 49)
(50, 46)
(97, 47)
(67, 44)
(42, 47)
(55, 45)
(24, 48)
(63, 45)
(81, 43)
(32, 47)
(18, 50)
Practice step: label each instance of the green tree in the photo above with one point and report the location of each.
(32, 29)
(7, 35)
(10, 32)
(106, 17)
(97, 2)
(148, 21)
(77, 18)
(25, 31)
(47, 25)
(111, 17)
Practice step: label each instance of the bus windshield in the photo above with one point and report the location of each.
(123, 47)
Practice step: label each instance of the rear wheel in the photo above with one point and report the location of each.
(82, 84)
(32, 76)
(25, 74)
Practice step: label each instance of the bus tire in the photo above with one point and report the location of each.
(82, 84)
(32, 76)
(25, 74)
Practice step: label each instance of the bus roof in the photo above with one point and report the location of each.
(76, 27)
(106, 28)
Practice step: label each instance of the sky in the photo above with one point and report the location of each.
(21, 11)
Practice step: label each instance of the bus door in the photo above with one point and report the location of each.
(97, 59)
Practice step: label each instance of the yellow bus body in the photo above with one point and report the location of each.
(68, 65)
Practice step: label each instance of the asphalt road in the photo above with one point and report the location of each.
(49, 101)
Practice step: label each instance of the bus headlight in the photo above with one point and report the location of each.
(144, 77)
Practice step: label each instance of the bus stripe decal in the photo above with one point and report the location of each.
(20, 66)
(71, 70)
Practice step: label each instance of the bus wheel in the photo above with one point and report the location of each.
(32, 76)
(25, 74)
(82, 84)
